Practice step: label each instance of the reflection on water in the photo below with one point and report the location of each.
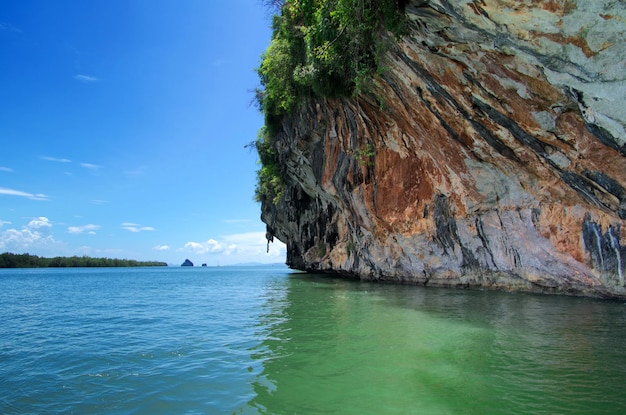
(336, 346)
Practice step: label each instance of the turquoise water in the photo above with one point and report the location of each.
(266, 341)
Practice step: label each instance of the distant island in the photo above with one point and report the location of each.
(187, 263)
(9, 260)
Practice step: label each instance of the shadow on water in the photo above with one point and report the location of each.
(337, 346)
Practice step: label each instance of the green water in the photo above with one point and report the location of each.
(262, 340)
(350, 348)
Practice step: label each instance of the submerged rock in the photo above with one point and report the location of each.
(492, 153)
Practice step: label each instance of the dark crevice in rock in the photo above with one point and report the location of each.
(612, 186)
(483, 238)
(469, 260)
(318, 161)
(445, 224)
(442, 121)
(584, 187)
(443, 96)
(600, 133)
(606, 138)
(539, 147)
(607, 255)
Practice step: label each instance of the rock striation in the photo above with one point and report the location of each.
(490, 153)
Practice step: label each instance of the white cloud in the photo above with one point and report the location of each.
(6, 169)
(39, 223)
(36, 235)
(86, 78)
(13, 192)
(210, 246)
(4, 222)
(90, 166)
(58, 160)
(161, 248)
(134, 227)
(241, 247)
(90, 229)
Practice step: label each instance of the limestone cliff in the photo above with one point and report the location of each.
(490, 153)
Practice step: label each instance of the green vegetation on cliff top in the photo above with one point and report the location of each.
(323, 48)
(9, 260)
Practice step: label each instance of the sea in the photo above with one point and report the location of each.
(266, 340)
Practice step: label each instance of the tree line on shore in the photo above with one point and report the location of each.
(9, 260)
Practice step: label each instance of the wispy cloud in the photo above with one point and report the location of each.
(161, 248)
(58, 160)
(89, 229)
(134, 227)
(8, 27)
(6, 169)
(13, 192)
(90, 166)
(139, 171)
(87, 79)
(4, 222)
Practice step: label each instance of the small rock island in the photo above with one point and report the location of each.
(187, 263)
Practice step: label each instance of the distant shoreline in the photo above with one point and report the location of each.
(9, 260)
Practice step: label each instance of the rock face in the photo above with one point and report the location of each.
(490, 153)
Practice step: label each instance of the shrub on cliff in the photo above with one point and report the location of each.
(327, 48)
(269, 180)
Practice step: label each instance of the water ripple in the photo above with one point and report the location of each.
(223, 341)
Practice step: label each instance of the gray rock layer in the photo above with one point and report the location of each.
(490, 153)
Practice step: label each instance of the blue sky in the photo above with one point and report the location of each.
(123, 125)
